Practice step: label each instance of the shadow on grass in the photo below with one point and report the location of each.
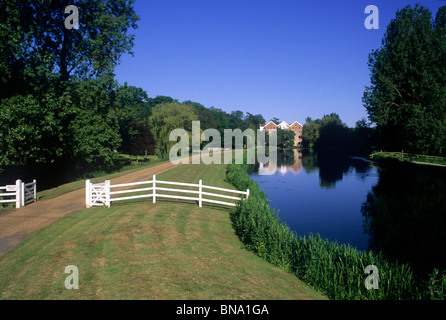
(149, 202)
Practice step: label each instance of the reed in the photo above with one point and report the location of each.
(337, 270)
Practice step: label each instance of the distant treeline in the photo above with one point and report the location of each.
(331, 135)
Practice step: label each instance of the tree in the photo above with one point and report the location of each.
(38, 49)
(407, 95)
(285, 139)
(75, 130)
(254, 120)
(222, 120)
(133, 109)
(334, 135)
(363, 138)
(206, 116)
(310, 132)
(142, 142)
(236, 119)
(167, 117)
(90, 125)
(57, 89)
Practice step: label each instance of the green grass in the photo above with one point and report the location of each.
(411, 158)
(140, 250)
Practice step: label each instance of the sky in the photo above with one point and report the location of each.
(287, 59)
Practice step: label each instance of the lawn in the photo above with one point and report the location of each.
(140, 250)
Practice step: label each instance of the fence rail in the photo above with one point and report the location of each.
(100, 194)
(19, 193)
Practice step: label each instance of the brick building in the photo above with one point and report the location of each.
(295, 126)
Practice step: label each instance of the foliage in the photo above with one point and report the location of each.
(37, 49)
(310, 132)
(75, 130)
(133, 108)
(285, 139)
(334, 135)
(406, 98)
(30, 131)
(331, 135)
(167, 117)
(336, 270)
(143, 142)
(59, 104)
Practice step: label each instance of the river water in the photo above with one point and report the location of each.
(400, 212)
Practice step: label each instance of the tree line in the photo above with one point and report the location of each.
(331, 135)
(62, 110)
(406, 98)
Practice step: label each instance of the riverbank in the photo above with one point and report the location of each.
(139, 250)
(337, 270)
(405, 158)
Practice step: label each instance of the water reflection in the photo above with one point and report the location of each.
(311, 201)
(287, 160)
(333, 168)
(399, 212)
(405, 216)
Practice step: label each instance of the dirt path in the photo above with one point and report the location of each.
(17, 225)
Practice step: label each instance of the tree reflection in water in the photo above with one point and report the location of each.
(404, 213)
(405, 216)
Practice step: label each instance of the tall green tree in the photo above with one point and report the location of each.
(133, 109)
(407, 95)
(285, 139)
(142, 143)
(167, 117)
(310, 132)
(334, 135)
(57, 88)
(37, 48)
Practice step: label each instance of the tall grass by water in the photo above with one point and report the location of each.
(337, 270)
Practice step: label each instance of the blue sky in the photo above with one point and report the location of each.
(288, 59)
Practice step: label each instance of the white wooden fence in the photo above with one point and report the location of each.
(19, 193)
(100, 194)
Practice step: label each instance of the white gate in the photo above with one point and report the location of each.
(97, 194)
(19, 193)
(29, 193)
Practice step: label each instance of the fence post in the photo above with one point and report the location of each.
(247, 194)
(35, 190)
(18, 194)
(23, 194)
(107, 193)
(200, 190)
(154, 189)
(88, 194)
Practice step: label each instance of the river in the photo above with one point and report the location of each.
(400, 212)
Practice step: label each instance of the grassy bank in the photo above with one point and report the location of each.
(336, 270)
(408, 158)
(141, 250)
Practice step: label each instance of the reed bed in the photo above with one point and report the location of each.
(337, 270)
